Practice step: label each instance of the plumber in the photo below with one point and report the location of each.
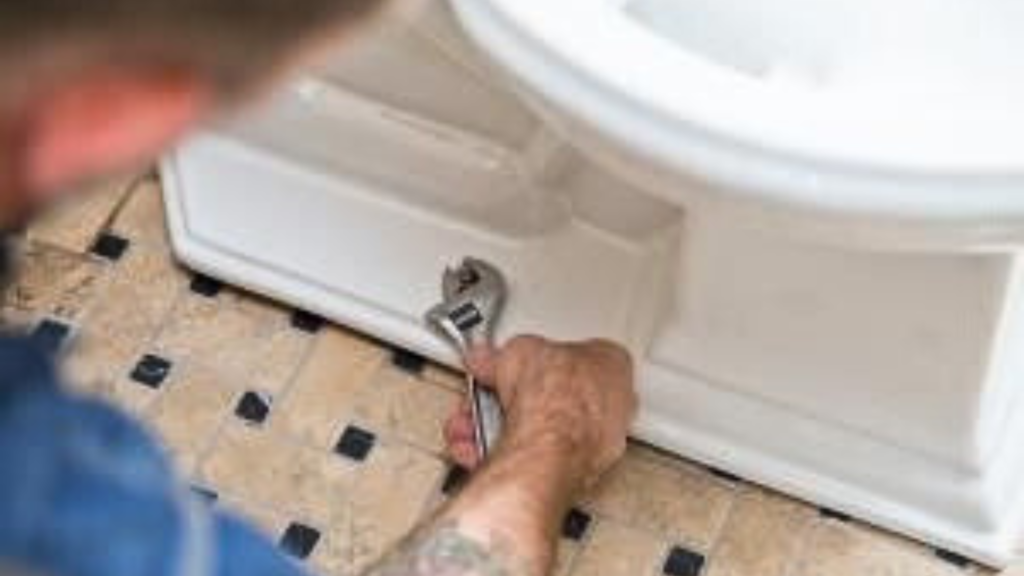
(91, 87)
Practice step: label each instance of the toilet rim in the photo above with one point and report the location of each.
(566, 45)
(600, 39)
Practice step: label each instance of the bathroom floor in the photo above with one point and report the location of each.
(330, 441)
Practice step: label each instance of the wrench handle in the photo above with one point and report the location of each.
(487, 416)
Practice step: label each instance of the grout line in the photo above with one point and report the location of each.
(126, 196)
(291, 383)
(131, 181)
(805, 544)
(741, 489)
(104, 277)
(234, 381)
(227, 419)
(572, 561)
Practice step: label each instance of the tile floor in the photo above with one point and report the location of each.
(330, 441)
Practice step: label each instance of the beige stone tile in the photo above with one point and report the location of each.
(407, 407)
(445, 376)
(254, 464)
(142, 218)
(847, 549)
(666, 496)
(762, 535)
(333, 554)
(268, 522)
(121, 392)
(96, 362)
(243, 335)
(315, 408)
(389, 497)
(282, 353)
(146, 273)
(17, 321)
(565, 557)
(617, 550)
(52, 281)
(189, 413)
(120, 326)
(75, 222)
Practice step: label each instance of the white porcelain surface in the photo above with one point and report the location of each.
(872, 115)
(787, 211)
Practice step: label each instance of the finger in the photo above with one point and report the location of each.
(464, 454)
(459, 428)
(462, 411)
(463, 406)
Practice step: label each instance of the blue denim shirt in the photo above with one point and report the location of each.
(84, 491)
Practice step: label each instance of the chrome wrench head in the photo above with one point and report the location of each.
(474, 298)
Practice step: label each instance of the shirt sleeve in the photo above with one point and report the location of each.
(86, 492)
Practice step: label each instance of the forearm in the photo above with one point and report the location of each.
(568, 407)
(504, 523)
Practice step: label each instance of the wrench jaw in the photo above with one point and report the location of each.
(471, 273)
(474, 297)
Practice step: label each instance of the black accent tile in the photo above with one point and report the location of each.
(683, 562)
(576, 524)
(727, 476)
(299, 540)
(952, 558)
(834, 514)
(110, 246)
(307, 321)
(151, 371)
(205, 494)
(51, 335)
(454, 481)
(408, 361)
(253, 407)
(356, 443)
(206, 286)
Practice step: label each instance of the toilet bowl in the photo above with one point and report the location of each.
(861, 114)
(803, 218)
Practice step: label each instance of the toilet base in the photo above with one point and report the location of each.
(338, 249)
(883, 384)
(880, 384)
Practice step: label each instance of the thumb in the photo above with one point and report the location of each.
(482, 363)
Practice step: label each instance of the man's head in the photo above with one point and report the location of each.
(91, 86)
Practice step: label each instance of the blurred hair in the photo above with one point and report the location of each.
(234, 41)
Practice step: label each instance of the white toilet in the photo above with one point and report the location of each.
(803, 217)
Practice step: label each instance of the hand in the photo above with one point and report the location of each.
(577, 398)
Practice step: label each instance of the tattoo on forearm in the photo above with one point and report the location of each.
(442, 550)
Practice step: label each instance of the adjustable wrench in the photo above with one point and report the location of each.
(474, 296)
